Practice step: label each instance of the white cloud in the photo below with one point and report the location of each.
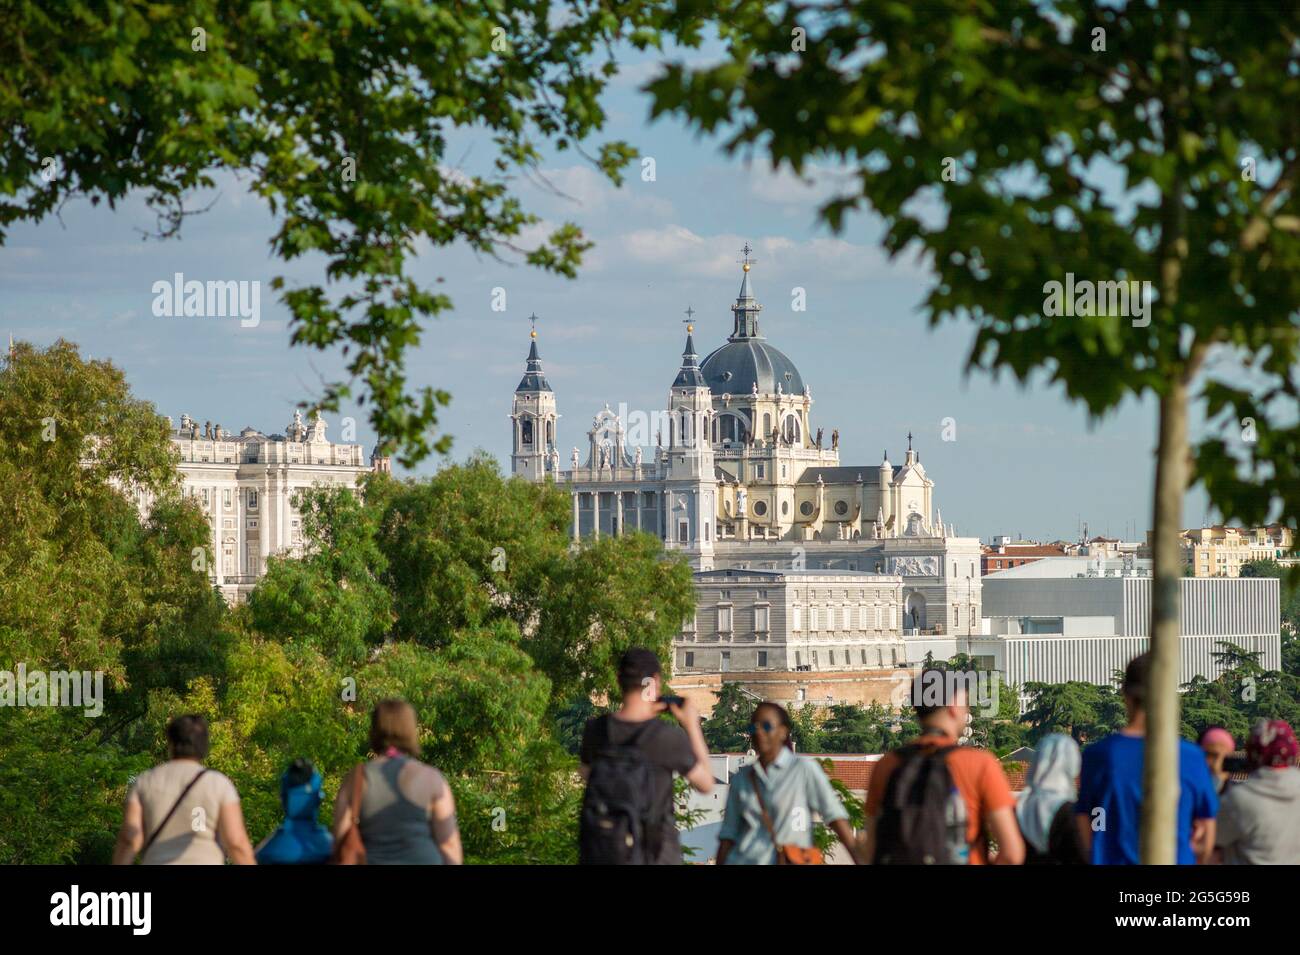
(815, 186)
(677, 250)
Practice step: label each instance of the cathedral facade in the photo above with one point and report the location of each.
(738, 477)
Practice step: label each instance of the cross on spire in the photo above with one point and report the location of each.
(533, 319)
(909, 441)
(690, 326)
(747, 261)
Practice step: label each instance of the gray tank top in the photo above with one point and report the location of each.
(394, 829)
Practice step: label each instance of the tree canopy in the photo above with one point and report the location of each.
(340, 115)
(1147, 149)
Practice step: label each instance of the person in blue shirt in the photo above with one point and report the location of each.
(1109, 808)
(300, 839)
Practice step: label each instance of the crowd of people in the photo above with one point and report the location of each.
(931, 801)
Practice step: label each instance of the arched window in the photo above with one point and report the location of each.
(527, 431)
(791, 430)
(767, 424)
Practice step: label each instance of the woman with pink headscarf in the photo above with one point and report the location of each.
(1259, 819)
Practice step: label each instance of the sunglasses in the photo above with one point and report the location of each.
(766, 726)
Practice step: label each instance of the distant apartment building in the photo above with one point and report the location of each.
(1107, 548)
(750, 620)
(1220, 551)
(245, 485)
(1004, 554)
(1054, 629)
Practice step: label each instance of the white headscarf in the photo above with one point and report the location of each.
(1051, 785)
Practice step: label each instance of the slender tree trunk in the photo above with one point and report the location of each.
(1160, 785)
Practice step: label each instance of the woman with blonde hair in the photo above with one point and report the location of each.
(402, 808)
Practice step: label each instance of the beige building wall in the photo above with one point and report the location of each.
(1221, 551)
(861, 687)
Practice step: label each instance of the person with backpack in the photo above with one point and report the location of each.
(395, 810)
(1046, 808)
(771, 802)
(1109, 810)
(182, 813)
(628, 759)
(934, 802)
(300, 839)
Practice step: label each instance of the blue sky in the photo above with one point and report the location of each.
(1025, 460)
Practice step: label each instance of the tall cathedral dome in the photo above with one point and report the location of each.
(747, 360)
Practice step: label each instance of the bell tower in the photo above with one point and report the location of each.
(690, 487)
(533, 419)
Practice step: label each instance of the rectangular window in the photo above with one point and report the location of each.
(846, 619)
(225, 498)
(814, 658)
(724, 619)
(798, 618)
(832, 654)
(760, 470)
(252, 500)
(683, 532)
(690, 659)
(813, 618)
(760, 619)
(762, 658)
(798, 659)
(726, 661)
(864, 656)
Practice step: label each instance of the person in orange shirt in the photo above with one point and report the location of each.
(947, 801)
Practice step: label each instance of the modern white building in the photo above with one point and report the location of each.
(1054, 629)
(245, 484)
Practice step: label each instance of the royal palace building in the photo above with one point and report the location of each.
(245, 484)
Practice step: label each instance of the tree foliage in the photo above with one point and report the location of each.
(89, 584)
(342, 116)
(1011, 145)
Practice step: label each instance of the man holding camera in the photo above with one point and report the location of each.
(628, 760)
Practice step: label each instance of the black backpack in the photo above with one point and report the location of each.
(923, 817)
(620, 825)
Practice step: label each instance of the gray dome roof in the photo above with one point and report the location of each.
(737, 365)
